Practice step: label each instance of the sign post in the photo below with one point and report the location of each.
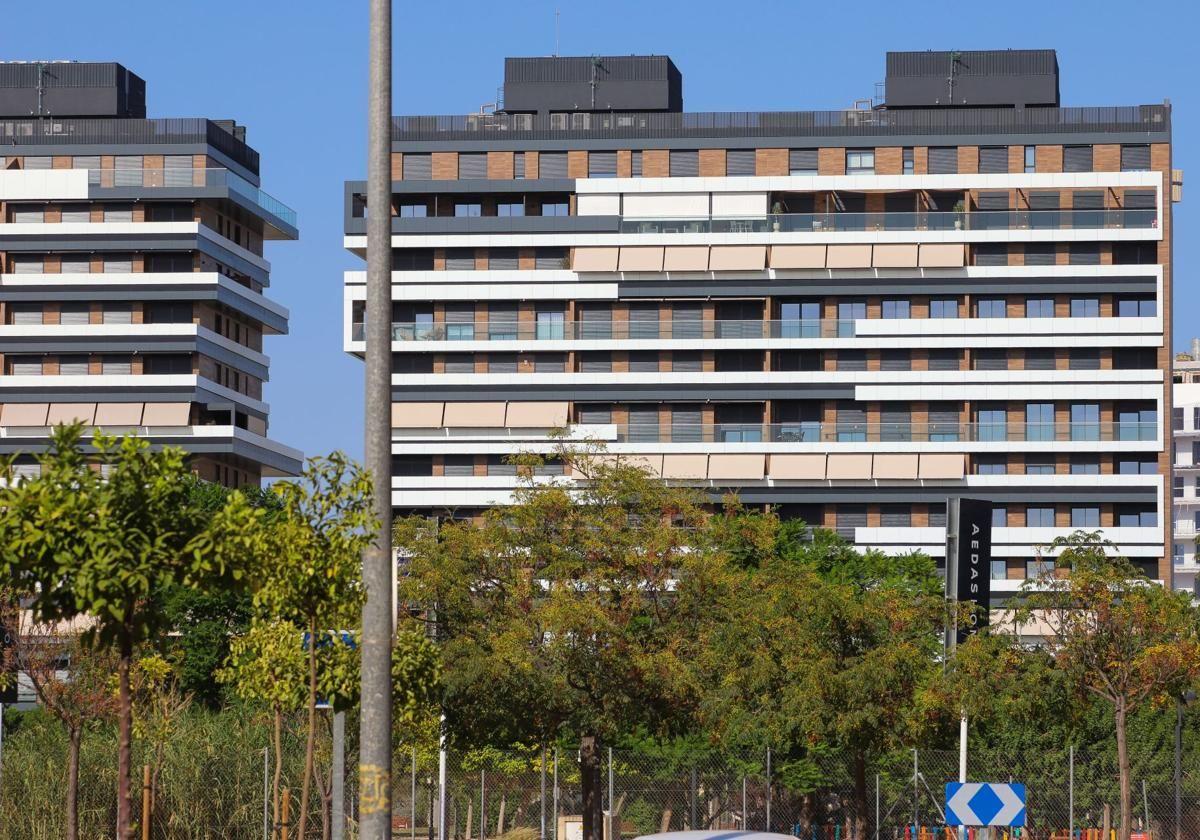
(968, 578)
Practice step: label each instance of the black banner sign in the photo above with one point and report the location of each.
(974, 561)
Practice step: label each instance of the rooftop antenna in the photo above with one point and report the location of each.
(955, 58)
(596, 67)
(42, 73)
(556, 14)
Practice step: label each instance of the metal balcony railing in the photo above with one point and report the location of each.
(815, 431)
(616, 330)
(854, 123)
(53, 131)
(979, 220)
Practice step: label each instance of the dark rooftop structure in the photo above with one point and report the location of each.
(70, 89)
(972, 79)
(592, 83)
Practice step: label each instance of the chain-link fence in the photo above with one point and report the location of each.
(526, 796)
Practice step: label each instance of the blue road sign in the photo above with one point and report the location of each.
(985, 803)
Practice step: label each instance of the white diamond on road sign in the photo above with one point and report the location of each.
(983, 803)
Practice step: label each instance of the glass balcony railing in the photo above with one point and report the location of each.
(192, 177)
(933, 220)
(816, 431)
(616, 330)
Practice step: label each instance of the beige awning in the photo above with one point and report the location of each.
(942, 255)
(797, 256)
(594, 259)
(417, 415)
(474, 415)
(641, 258)
(848, 467)
(653, 463)
(736, 466)
(119, 414)
(942, 465)
(685, 466)
(848, 256)
(895, 466)
(895, 256)
(797, 466)
(67, 413)
(536, 415)
(24, 414)
(737, 258)
(166, 414)
(686, 258)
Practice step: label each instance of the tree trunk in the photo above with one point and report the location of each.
(858, 819)
(1123, 770)
(589, 782)
(277, 776)
(124, 743)
(310, 738)
(74, 735)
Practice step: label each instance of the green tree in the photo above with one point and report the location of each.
(824, 645)
(1116, 635)
(570, 613)
(87, 543)
(314, 580)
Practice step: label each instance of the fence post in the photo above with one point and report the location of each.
(916, 792)
(412, 805)
(147, 808)
(482, 804)
(542, 800)
(1071, 792)
(692, 798)
(1107, 822)
(769, 786)
(556, 793)
(876, 806)
(338, 782)
(285, 808)
(744, 814)
(266, 793)
(1146, 808)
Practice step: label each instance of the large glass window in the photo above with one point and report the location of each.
(992, 308)
(896, 308)
(800, 319)
(848, 312)
(1039, 517)
(468, 208)
(1039, 421)
(860, 161)
(1085, 307)
(1085, 516)
(1031, 158)
(1138, 306)
(1085, 421)
(943, 308)
(1039, 307)
(550, 324)
(992, 424)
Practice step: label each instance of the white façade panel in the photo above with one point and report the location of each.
(739, 204)
(605, 204)
(666, 205)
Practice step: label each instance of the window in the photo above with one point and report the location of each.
(850, 311)
(740, 162)
(1039, 421)
(556, 208)
(116, 365)
(545, 259)
(519, 166)
(1135, 157)
(802, 161)
(76, 214)
(602, 164)
(999, 568)
(895, 515)
(860, 161)
(412, 465)
(1031, 158)
(460, 259)
(944, 359)
(686, 362)
(1077, 158)
(417, 167)
(412, 259)
(118, 313)
(1040, 359)
(999, 517)
(896, 308)
(550, 362)
(75, 313)
(907, 160)
(1085, 465)
(636, 163)
(1085, 517)
(552, 165)
(1136, 516)
(684, 163)
(1139, 306)
(458, 465)
(1040, 567)
(687, 424)
(504, 259)
(25, 314)
(1085, 421)
(1177, 487)
(502, 363)
(28, 215)
(991, 308)
(459, 363)
(943, 160)
(643, 361)
(991, 465)
(1085, 307)
(1087, 358)
(1039, 253)
(595, 362)
(550, 324)
(1177, 418)
(1130, 465)
(468, 209)
(413, 211)
(991, 424)
(848, 518)
(1039, 307)
(1083, 253)
(1039, 465)
(1039, 517)
(851, 424)
(25, 365)
(991, 254)
(118, 213)
(943, 308)
(990, 359)
(595, 415)
(937, 516)
(118, 264)
(895, 360)
(510, 208)
(853, 360)
(993, 160)
(943, 422)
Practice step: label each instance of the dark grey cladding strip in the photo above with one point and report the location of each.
(471, 185)
(150, 343)
(624, 392)
(758, 285)
(494, 225)
(196, 446)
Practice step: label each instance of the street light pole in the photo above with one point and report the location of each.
(375, 747)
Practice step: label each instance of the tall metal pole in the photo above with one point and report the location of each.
(556, 793)
(375, 742)
(1178, 768)
(412, 807)
(442, 762)
(542, 833)
(338, 772)
(1071, 792)
(768, 788)
(266, 793)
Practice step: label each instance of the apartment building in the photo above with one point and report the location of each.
(132, 276)
(961, 290)
(1185, 481)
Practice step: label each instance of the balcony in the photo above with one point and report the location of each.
(980, 220)
(816, 431)
(617, 330)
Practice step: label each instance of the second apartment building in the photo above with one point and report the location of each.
(850, 315)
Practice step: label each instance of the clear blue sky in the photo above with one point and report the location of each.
(294, 72)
